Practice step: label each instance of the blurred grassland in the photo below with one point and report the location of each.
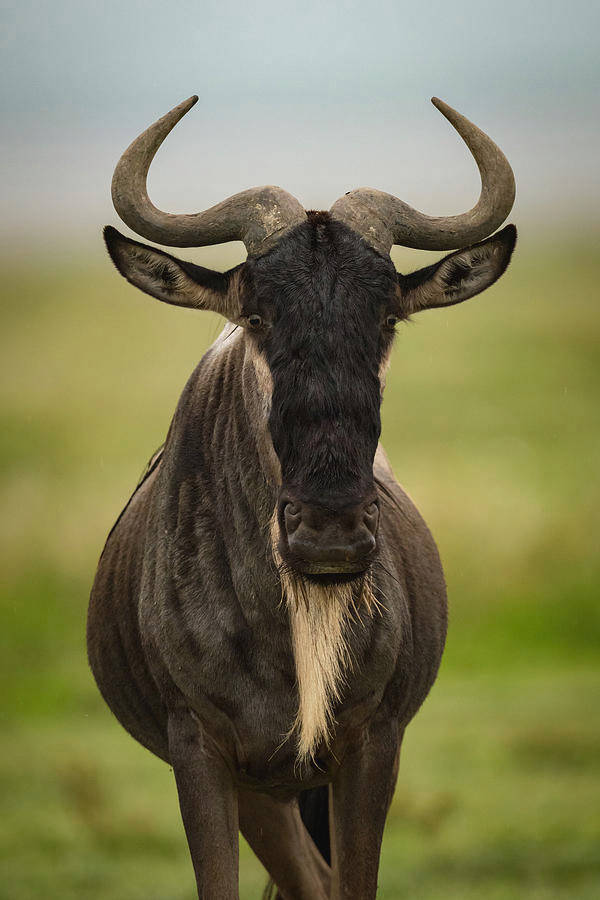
(492, 423)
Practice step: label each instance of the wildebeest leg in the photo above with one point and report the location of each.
(359, 800)
(208, 803)
(279, 838)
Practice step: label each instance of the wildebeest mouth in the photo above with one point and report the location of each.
(325, 571)
(333, 578)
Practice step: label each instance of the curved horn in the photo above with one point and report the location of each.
(259, 217)
(383, 220)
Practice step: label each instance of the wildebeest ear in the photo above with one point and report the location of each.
(460, 275)
(173, 280)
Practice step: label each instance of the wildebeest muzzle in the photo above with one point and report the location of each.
(316, 539)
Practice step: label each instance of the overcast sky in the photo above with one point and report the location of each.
(319, 97)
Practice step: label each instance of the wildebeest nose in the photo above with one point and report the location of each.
(320, 541)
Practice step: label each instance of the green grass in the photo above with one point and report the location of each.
(498, 796)
(492, 422)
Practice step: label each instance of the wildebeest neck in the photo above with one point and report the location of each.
(218, 445)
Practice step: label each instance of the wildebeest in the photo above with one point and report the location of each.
(269, 610)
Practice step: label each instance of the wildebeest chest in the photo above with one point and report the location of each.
(239, 661)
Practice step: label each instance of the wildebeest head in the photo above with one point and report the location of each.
(319, 299)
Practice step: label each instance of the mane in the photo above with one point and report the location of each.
(151, 466)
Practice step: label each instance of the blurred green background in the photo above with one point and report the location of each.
(491, 414)
(491, 421)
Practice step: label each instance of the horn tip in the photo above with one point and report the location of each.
(447, 111)
(184, 107)
(439, 104)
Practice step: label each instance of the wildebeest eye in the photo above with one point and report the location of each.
(255, 321)
(391, 321)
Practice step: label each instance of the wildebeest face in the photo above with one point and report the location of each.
(319, 311)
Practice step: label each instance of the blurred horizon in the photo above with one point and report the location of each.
(319, 99)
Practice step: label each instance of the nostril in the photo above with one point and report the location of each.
(292, 517)
(371, 517)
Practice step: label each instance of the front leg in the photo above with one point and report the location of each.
(209, 809)
(360, 797)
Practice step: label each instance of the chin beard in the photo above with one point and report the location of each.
(320, 608)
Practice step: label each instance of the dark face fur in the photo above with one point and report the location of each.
(325, 300)
(320, 309)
